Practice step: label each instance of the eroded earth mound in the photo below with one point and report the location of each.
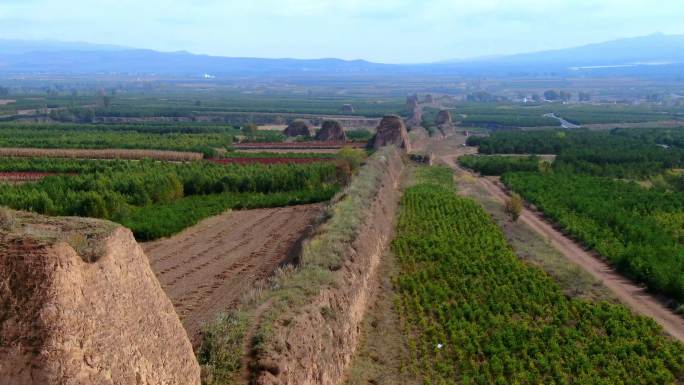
(331, 131)
(299, 127)
(444, 118)
(79, 304)
(392, 131)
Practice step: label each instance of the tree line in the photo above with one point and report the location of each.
(113, 190)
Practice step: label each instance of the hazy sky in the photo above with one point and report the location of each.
(397, 31)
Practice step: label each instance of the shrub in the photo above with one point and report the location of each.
(514, 207)
(7, 220)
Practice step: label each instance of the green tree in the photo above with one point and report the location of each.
(250, 129)
(353, 156)
(551, 95)
(93, 205)
(514, 207)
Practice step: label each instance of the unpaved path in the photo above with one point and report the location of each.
(206, 269)
(628, 292)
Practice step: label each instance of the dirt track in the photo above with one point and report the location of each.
(628, 292)
(209, 267)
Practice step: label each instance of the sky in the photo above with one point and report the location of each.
(388, 31)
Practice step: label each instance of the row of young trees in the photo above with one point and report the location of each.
(97, 139)
(638, 230)
(498, 165)
(474, 313)
(599, 153)
(113, 190)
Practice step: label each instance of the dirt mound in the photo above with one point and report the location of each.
(79, 304)
(331, 131)
(392, 130)
(444, 118)
(299, 127)
(412, 101)
(415, 111)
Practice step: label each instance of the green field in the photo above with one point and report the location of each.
(474, 313)
(618, 192)
(158, 199)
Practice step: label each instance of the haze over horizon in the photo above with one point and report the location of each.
(399, 31)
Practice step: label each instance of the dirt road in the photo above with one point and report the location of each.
(206, 269)
(628, 292)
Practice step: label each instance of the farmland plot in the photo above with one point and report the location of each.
(476, 314)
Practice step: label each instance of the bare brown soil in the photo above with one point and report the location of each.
(293, 150)
(627, 291)
(208, 268)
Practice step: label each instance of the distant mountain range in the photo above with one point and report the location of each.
(657, 55)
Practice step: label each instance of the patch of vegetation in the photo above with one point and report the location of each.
(96, 139)
(164, 219)
(514, 207)
(158, 198)
(476, 314)
(624, 222)
(598, 153)
(222, 348)
(498, 165)
(441, 176)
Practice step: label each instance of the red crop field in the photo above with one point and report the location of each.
(297, 145)
(284, 160)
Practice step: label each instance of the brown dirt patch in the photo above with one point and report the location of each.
(208, 268)
(292, 151)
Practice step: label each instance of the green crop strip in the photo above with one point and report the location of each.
(476, 314)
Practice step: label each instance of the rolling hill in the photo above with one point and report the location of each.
(656, 54)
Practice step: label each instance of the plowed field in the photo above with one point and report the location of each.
(206, 269)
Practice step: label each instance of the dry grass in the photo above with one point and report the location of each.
(383, 357)
(99, 154)
(7, 219)
(85, 235)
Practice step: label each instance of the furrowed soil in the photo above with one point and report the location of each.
(208, 268)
